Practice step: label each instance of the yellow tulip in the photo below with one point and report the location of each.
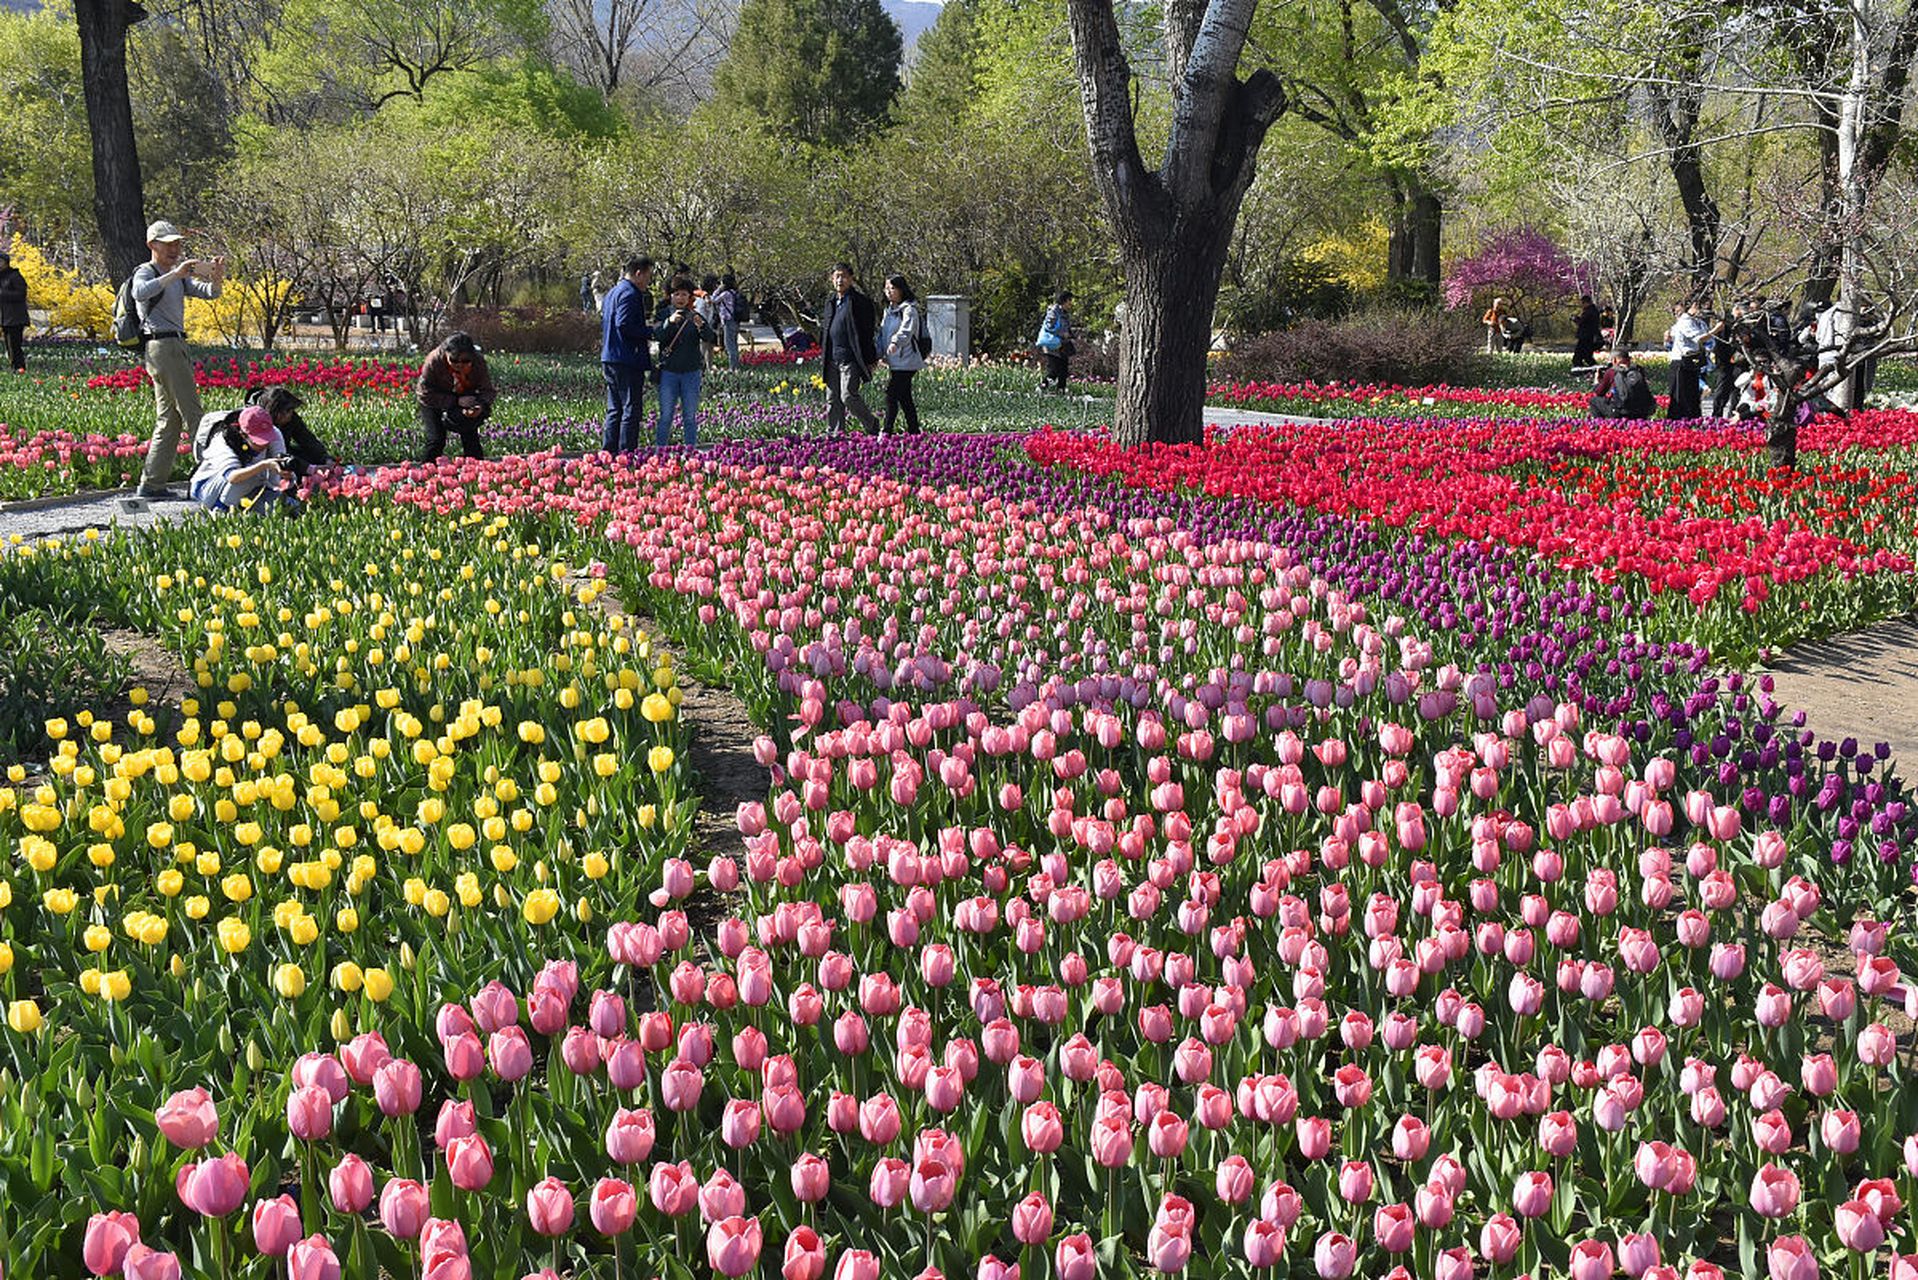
(96, 937)
(60, 901)
(660, 759)
(234, 935)
(379, 985)
(115, 986)
(348, 977)
(289, 980)
(541, 906)
(24, 1017)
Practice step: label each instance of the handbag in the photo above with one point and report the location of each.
(1048, 339)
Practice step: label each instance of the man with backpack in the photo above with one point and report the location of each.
(157, 294)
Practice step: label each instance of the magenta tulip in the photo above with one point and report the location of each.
(214, 1187)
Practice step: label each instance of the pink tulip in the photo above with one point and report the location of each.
(613, 1206)
(312, 1259)
(143, 1263)
(1774, 1191)
(309, 1112)
(351, 1185)
(1858, 1226)
(397, 1087)
(214, 1187)
(990, 1268)
(673, 1189)
(1041, 1128)
(1075, 1258)
(276, 1226)
(733, 1245)
(1032, 1220)
(1637, 1252)
(932, 1185)
(629, 1137)
(323, 1071)
(509, 1053)
(1592, 1260)
(188, 1119)
(1790, 1258)
(856, 1264)
(1264, 1243)
(403, 1208)
(1393, 1227)
(469, 1162)
(739, 1123)
(811, 1178)
(805, 1256)
(549, 1207)
(108, 1238)
(1334, 1256)
(1499, 1238)
(1168, 1250)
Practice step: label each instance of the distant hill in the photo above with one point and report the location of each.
(913, 17)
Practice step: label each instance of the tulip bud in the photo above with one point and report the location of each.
(255, 1060)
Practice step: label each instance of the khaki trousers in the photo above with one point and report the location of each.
(176, 402)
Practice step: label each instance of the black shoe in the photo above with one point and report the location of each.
(155, 491)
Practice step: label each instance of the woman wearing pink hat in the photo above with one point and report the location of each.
(243, 464)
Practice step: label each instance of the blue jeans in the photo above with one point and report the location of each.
(729, 335)
(625, 406)
(681, 389)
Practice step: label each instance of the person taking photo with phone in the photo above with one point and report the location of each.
(161, 287)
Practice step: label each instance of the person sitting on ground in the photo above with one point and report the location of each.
(242, 462)
(456, 393)
(304, 450)
(1622, 390)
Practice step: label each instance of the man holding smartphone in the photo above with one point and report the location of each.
(160, 290)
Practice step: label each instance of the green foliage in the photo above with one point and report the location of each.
(522, 97)
(819, 72)
(49, 660)
(46, 166)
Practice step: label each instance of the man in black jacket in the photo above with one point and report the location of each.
(13, 311)
(846, 340)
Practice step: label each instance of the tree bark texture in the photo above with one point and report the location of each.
(1173, 225)
(119, 201)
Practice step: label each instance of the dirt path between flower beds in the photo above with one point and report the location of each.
(1863, 685)
(719, 746)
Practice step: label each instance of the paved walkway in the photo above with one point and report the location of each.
(119, 509)
(1863, 685)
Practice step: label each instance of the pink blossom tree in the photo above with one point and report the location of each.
(1521, 264)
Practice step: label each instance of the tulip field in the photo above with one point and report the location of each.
(1332, 851)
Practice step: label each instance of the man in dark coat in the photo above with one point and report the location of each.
(846, 336)
(1588, 334)
(13, 312)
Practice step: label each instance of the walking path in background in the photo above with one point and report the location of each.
(1863, 684)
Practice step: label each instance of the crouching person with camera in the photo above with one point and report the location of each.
(455, 394)
(242, 463)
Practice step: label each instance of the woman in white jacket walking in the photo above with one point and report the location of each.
(899, 336)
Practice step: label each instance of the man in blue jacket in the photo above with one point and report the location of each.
(623, 355)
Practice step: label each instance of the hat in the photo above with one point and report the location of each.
(163, 232)
(257, 423)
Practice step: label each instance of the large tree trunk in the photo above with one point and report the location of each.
(1174, 224)
(119, 201)
(1171, 289)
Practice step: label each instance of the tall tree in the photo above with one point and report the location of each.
(822, 72)
(119, 201)
(1173, 224)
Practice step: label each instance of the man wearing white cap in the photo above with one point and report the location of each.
(160, 290)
